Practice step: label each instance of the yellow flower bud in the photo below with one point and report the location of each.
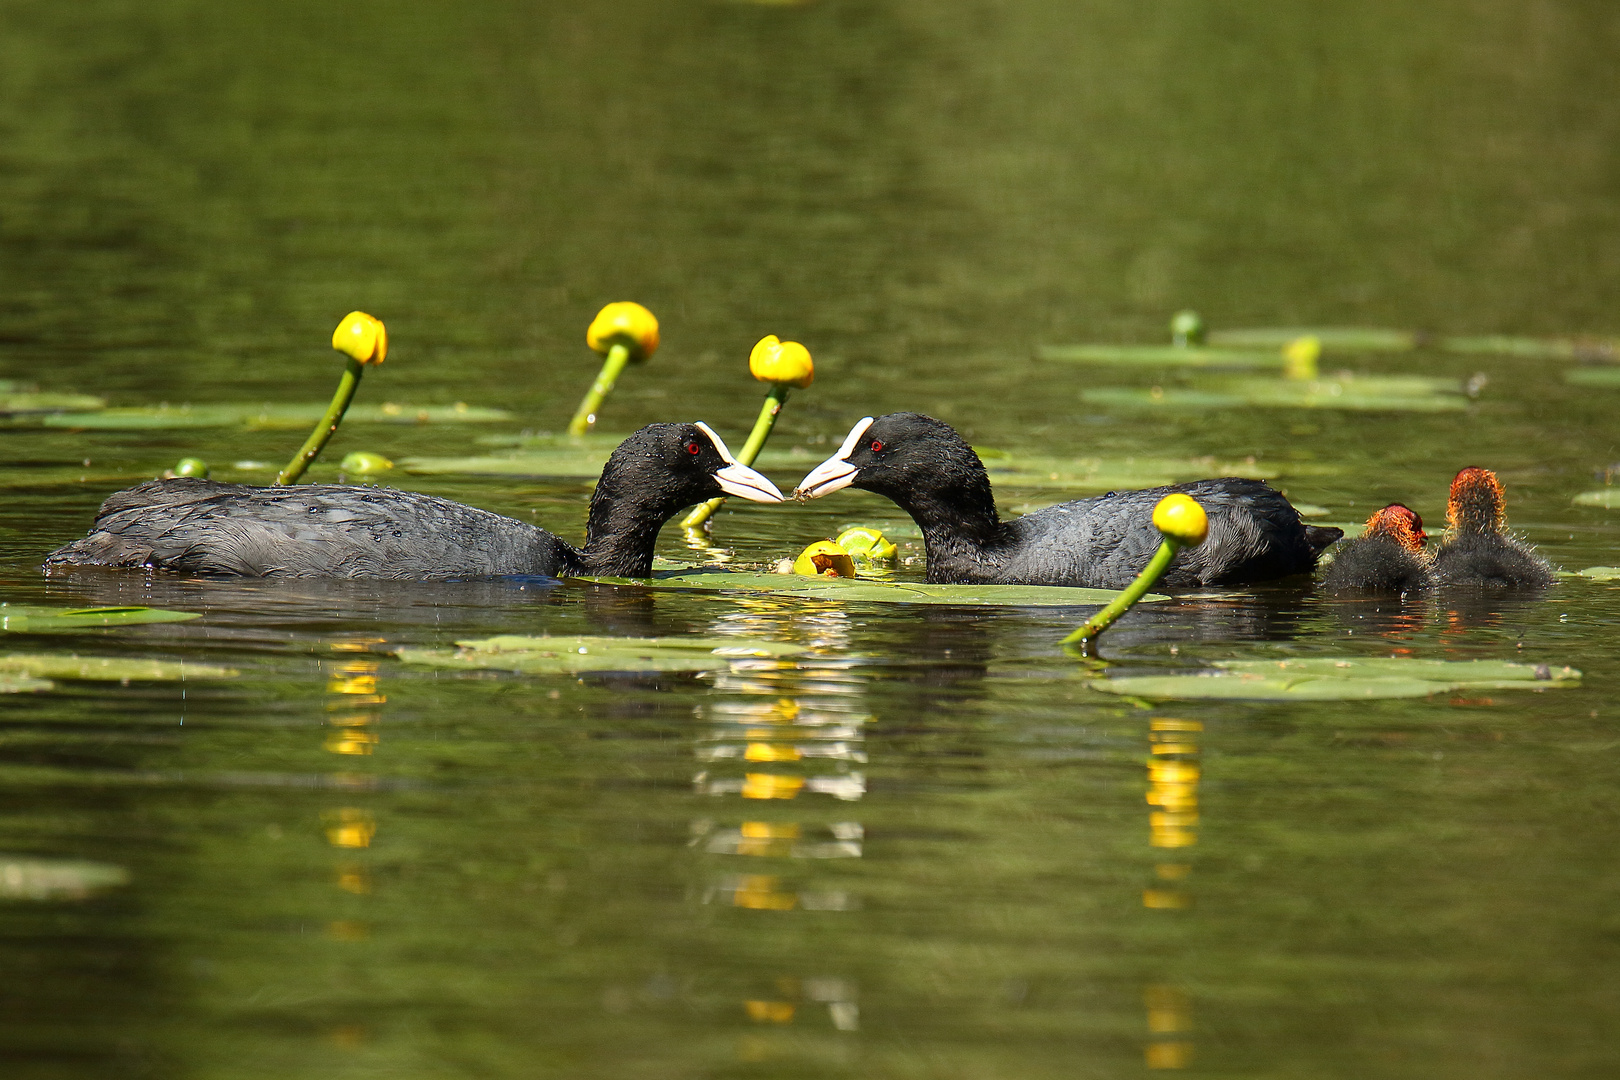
(624, 323)
(866, 543)
(1181, 519)
(1300, 357)
(824, 558)
(362, 337)
(776, 361)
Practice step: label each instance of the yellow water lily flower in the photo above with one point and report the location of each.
(775, 361)
(824, 558)
(361, 336)
(624, 323)
(1181, 519)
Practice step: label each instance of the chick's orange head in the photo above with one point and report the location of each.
(1400, 524)
(1476, 502)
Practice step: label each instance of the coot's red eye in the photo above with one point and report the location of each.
(693, 448)
(877, 446)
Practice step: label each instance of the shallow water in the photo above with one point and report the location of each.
(338, 866)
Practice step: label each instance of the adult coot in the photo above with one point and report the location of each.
(331, 530)
(925, 466)
(1388, 557)
(1478, 549)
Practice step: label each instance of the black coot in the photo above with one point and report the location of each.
(1478, 549)
(331, 530)
(925, 466)
(1388, 557)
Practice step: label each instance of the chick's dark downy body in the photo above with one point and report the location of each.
(925, 467)
(331, 530)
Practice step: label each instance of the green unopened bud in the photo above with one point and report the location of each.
(1187, 328)
(866, 543)
(190, 466)
(364, 463)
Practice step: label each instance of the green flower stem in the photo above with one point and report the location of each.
(1133, 592)
(756, 442)
(329, 423)
(585, 416)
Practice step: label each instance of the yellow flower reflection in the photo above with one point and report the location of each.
(1169, 1013)
(350, 828)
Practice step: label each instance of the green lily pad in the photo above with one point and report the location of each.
(159, 417)
(1333, 338)
(1605, 498)
(708, 580)
(1159, 356)
(24, 404)
(108, 668)
(1600, 573)
(1398, 393)
(1528, 348)
(28, 877)
(23, 684)
(571, 655)
(35, 619)
(1111, 474)
(1338, 679)
(568, 460)
(1606, 378)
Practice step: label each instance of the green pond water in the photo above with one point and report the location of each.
(923, 848)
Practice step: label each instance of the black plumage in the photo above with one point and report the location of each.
(924, 466)
(332, 530)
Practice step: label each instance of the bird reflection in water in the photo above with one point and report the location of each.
(1172, 796)
(781, 746)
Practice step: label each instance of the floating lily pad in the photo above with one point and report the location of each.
(1606, 378)
(1399, 393)
(28, 877)
(25, 404)
(1333, 338)
(1605, 498)
(1528, 348)
(23, 684)
(1339, 679)
(570, 655)
(1600, 573)
(1111, 474)
(35, 619)
(567, 461)
(159, 417)
(1159, 356)
(708, 580)
(108, 668)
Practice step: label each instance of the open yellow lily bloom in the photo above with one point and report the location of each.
(624, 323)
(362, 337)
(777, 361)
(824, 558)
(1181, 519)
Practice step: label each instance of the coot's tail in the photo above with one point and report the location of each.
(1320, 536)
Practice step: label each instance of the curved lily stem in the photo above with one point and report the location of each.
(328, 425)
(750, 450)
(585, 416)
(1122, 603)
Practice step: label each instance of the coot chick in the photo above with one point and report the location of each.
(1478, 550)
(331, 530)
(1388, 557)
(924, 466)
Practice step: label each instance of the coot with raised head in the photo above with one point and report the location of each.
(1388, 557)
(923, 465)
(333, 530)
(1478, 550)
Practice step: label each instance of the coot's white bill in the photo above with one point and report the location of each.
(738, 479)
(835, 472)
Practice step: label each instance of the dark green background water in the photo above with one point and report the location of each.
(559, 877)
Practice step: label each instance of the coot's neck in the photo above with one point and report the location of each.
(622, 529)
(963, 534)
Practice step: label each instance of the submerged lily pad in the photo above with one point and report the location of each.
(1157, 356)
(1607, 378)
(1528, 348)
(1600, 573)
(160, 417)
(1332, 338)
(108, 668)
(1339, 679)
(1604, 498)
(29, 877)
(35, 619)
(24, 404)
(871, 591)
(1394, 393)
(570, 655)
